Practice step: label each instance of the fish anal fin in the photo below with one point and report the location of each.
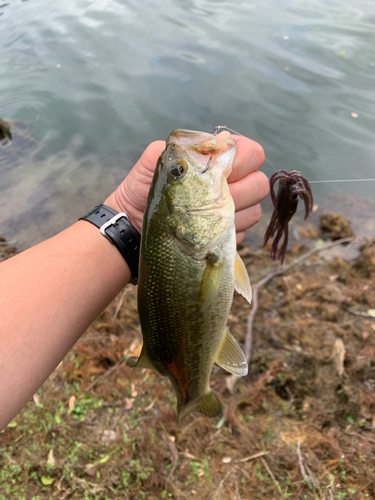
(242, 280)
(210, 282)
(208, 404)
(231, 357)
(143, 361)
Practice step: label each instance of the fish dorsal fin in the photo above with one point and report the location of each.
(208, 404)
(242, 280)
(231, 356)
(210, 283)
(143, 361)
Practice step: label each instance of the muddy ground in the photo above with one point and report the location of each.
(300, 426)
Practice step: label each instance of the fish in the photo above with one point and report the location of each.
(189, 268)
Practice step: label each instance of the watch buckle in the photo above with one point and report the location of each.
(112, 222)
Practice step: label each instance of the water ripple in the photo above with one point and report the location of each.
(97, 80)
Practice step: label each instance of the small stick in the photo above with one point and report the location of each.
(301, 466)
(358, 313)
(315, 483)
(101, 377)
(216, 492)
(272, 476)
(251, 457)
(120, 302)
(365, 438)
(171, 483)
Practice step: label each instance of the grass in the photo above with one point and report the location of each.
(120, 439)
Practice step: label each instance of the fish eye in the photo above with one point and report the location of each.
(177, 170)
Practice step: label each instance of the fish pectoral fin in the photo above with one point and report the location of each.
(242, 280)
(143, 361)
(208, 404)
(231, 356)
(210, 283)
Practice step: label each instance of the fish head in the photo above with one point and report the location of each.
(192, 180)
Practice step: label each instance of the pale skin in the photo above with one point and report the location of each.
(51, 293)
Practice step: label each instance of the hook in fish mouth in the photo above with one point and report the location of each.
(207, 166)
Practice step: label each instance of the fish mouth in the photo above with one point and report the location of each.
(206, 150)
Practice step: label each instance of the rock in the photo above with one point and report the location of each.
(335, 225)
(5, 133)
(366, 261)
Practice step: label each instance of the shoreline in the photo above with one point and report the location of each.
(309, 399)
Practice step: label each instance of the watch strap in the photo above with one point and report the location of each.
(117, 228)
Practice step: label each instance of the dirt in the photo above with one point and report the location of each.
(335, 226)
(6, 249)
(300, 426)
(5, 133)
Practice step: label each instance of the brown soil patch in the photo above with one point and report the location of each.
(301, 425)
(335, 225)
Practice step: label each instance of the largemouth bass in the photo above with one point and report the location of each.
(189, 268)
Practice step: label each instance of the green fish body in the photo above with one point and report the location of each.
(189, 268)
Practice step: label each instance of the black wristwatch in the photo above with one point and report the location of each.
(117, 228)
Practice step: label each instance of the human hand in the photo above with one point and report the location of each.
(247, 185)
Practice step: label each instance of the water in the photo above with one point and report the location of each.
(96, 81)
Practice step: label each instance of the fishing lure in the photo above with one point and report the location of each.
(292, 186)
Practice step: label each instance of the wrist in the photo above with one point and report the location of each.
(118, 202)
(120, 232)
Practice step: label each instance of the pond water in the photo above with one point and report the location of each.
(91, 83)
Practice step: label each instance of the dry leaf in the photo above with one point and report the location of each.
(292, 437)
(128, 404)
(72, 402)
(109, 435)
(338, 356)
(51, 458)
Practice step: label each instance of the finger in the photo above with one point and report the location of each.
(240, 237)
(247, 218)
(150, 156)
(249, 158)
(249, 190)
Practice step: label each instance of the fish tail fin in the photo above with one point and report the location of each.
(208, 404)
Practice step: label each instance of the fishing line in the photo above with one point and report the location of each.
(219, 127)
(343, 180)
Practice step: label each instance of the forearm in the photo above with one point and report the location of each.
(49, 295)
